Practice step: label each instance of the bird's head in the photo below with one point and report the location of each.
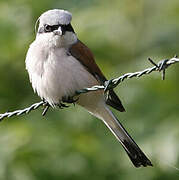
(55, 26)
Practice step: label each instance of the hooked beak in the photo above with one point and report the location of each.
(58, 31)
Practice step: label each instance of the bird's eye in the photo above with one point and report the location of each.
(47, 28)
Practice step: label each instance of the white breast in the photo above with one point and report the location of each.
(55, 74)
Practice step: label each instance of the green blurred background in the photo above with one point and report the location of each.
(70, 143)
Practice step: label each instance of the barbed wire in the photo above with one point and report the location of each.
(160, 67)
(21, 111)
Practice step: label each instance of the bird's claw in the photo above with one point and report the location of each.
(70, 99)
(62, 105)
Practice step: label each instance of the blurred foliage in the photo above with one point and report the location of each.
(70, 143)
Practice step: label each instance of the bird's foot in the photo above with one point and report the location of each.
(62, 105)
(70, 99)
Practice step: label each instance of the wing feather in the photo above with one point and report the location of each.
(84, 55)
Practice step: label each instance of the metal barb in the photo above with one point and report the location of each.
(163, 74)
(45, 109)
(107, 85)
(162, 67)
(153, 62)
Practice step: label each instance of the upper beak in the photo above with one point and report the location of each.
(58, 31)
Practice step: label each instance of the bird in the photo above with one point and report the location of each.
(59, 65)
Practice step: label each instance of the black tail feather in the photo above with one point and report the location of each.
(135, 154)
(137, 157)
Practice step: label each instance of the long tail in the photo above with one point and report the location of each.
(136, 155)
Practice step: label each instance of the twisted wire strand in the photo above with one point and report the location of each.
(21, 111)
(161, 66)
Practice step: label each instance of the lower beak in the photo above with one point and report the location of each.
(58, 31)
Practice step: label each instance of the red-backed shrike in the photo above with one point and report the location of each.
(59, 64)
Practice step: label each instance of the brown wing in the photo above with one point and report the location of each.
(84, 55)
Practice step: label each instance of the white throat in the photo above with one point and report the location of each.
(53, 40)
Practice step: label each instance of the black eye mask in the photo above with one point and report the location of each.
(48, 28)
